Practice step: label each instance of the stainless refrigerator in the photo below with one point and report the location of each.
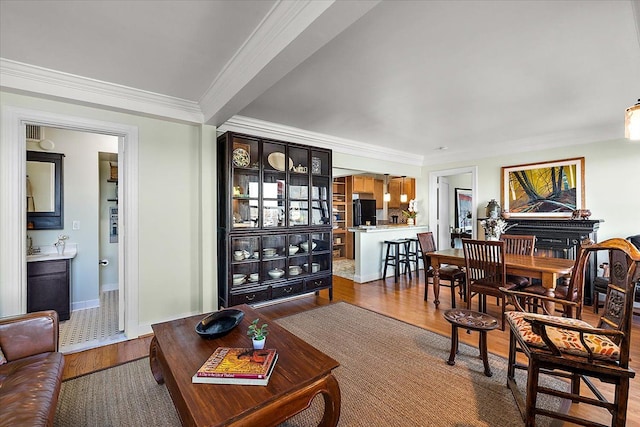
(364, 210)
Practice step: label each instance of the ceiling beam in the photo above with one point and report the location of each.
(289, 34)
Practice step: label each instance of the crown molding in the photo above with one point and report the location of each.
(284, 23)
(38, 80)
(341, 145)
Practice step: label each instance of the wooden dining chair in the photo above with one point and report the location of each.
(451, 273)
(486, 272)
(573, 349)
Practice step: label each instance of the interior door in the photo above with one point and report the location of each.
(444, 237)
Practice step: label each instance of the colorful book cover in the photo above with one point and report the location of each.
(247, 363)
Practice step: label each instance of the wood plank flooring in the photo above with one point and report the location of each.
(402, 300)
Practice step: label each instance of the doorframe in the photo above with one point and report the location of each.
(13, 263)
(433, 195)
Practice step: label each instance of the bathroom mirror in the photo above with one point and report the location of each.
(44, 191)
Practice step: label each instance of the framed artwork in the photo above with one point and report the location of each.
(463, 208)
(543, 190)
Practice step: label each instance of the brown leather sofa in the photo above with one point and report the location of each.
(30, 380)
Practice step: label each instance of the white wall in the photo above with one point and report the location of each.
(611, 181)
(169, 216)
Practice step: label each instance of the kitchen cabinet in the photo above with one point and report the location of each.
(276, 219)
(363, 184)
(378, 193)
(48, 287)
(396, 187)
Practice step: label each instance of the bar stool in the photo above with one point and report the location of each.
(414, 254)
(396, 255)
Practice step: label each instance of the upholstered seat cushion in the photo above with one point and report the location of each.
(29, 389)
(566, 341)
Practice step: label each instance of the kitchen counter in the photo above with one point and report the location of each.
(49, 253)
(369, 247)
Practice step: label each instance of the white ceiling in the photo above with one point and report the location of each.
(478, 77)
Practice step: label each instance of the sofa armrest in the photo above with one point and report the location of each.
(28, 334)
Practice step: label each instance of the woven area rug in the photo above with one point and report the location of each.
(391, 374)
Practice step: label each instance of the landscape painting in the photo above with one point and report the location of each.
(549, 189)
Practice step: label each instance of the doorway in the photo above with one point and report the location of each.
(13, 195)
(441, 209)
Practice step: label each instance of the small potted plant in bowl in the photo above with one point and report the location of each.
(258, 334)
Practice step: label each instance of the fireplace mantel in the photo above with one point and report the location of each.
(560, 238)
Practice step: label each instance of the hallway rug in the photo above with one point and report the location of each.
(391, 374)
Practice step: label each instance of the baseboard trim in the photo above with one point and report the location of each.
(83, 305)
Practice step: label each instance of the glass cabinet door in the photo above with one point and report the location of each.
(320, 200)
(298, 199)
(245, 260)
(298, 257)
(320, 164)
(273, 199)
(246, 198)
(245, 178)
(321, 255)
(274, 257)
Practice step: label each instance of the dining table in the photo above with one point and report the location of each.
(547, 269)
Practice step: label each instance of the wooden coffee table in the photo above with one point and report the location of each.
(301, 372)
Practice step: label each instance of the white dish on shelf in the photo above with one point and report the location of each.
(294, 270)
(293, 249)
(238, 279)
(315, 267)
(276, 273)
(254, 277)
(270, 252)
(305, 246)
(277, 161)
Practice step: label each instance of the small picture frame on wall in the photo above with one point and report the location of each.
(541, 190)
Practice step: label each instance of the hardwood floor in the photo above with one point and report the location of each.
(403, 301)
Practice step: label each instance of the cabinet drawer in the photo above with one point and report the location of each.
(37, 268)
(288, 289)
(250, 296)
(317, 283)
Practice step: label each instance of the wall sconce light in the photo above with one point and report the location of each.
(632, 122)
(403, 195)
(387, 195)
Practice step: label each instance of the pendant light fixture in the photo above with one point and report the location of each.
(403, 195)
(632, 122)
(387, 195)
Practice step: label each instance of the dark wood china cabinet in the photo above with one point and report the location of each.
(274, 219)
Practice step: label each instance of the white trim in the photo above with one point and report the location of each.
(340, 145)
(84, 305)
(13, 282)
(433, 197)
(44, 81)
(106, 287)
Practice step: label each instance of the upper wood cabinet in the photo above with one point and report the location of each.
(396, 187)
(378, 193)
(363, 184)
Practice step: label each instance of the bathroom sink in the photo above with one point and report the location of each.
(37, 257)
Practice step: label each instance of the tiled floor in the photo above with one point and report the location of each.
(92, 327)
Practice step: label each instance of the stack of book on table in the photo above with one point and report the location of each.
(239, 366)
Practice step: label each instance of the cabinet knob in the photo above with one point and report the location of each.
(250, 298)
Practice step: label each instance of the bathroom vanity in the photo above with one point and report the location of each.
(48, 283)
